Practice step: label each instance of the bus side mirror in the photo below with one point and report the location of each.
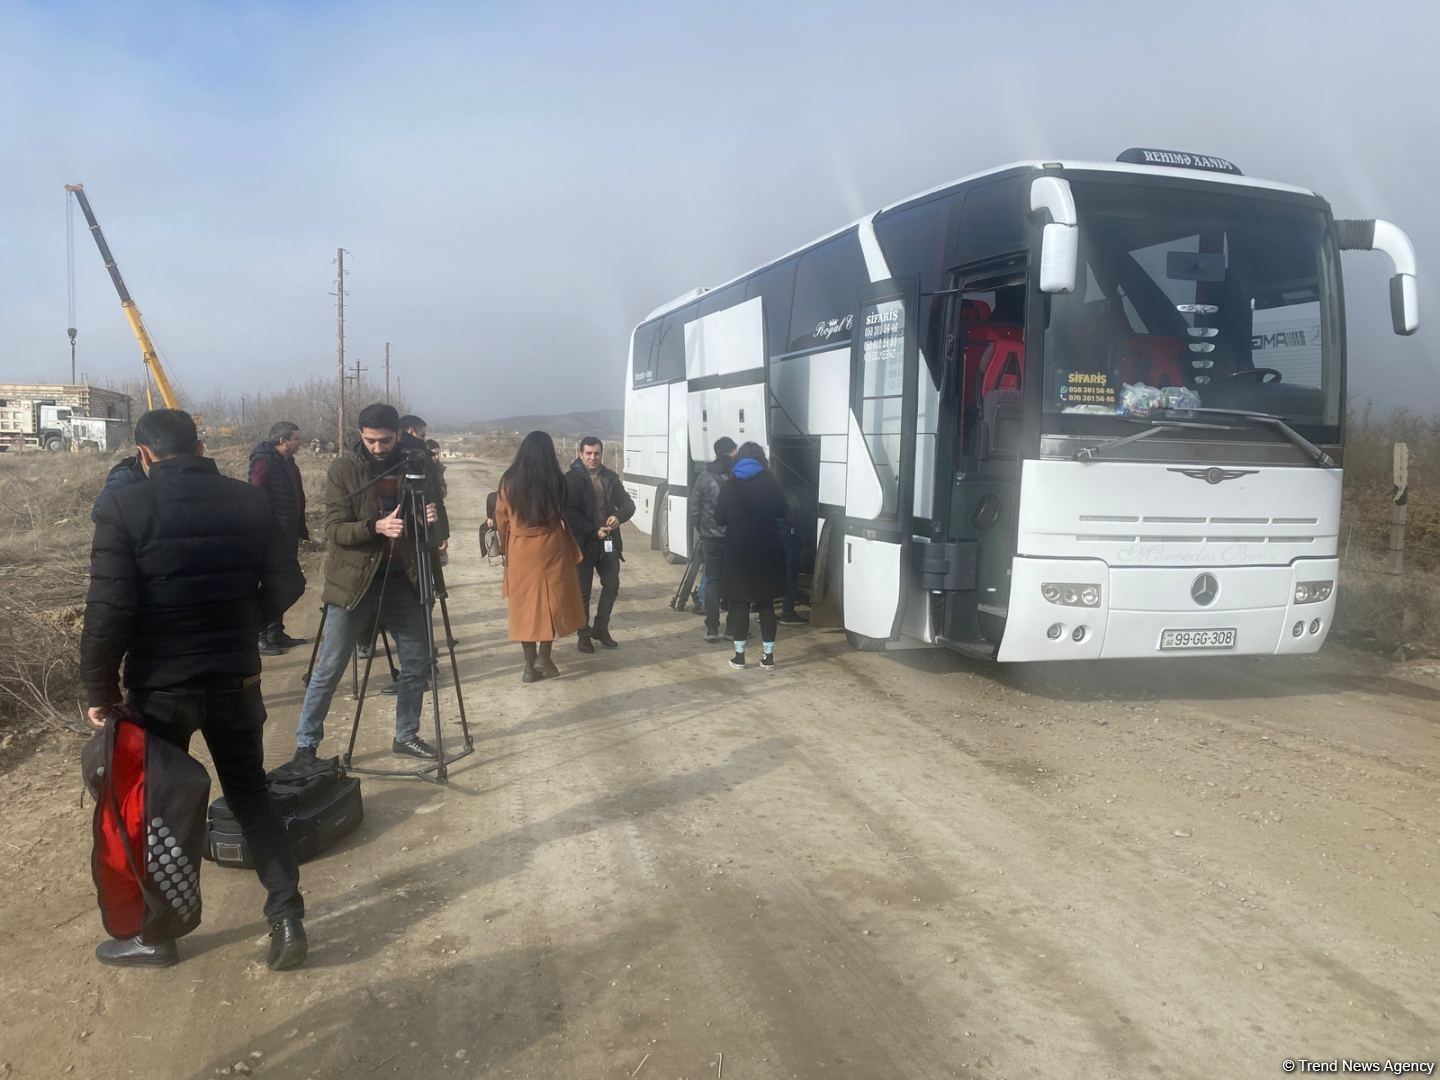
(1404, 304)
(1377, 235)
(1060, 239)
(1059, 258)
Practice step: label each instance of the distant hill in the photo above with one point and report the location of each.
(602, 422)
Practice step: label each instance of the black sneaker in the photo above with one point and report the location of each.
(285, 641)
(270, 648)
(711, 637)
(791, 618)
(767, 662)
(304, 755)
(737, 661)
(585, 644)
(414, 746)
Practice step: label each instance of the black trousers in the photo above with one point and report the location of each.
(278, 626)
(608, 566)
(737, 622)
(714, 549)
(232, 719)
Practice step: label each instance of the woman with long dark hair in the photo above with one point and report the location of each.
(541, 584)
(749, 506)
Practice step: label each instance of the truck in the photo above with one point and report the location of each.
(47, 425)
(34, 425)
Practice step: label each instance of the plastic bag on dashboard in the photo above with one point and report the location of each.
(1139, 399)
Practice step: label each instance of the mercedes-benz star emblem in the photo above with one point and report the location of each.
(1204, 589)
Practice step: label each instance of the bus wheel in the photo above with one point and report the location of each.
(861, 643)
(661, 539)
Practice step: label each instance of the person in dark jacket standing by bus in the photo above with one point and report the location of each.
(596, 505)
(273, 471)
(703, 499)
(749, 505)
(185, 569)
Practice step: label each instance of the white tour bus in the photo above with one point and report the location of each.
(1055, 410)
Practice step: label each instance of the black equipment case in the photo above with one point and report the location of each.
(318, 802)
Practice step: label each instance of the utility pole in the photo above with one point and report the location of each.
(340, 332)
(387, 371)
(358, 370)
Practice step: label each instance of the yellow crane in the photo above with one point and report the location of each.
(153, 367)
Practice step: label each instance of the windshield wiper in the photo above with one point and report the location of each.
(1266, 420)
(1090, 453)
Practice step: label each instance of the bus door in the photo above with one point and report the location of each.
(880, 469)
(986, 356)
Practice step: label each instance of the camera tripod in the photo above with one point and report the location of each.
(430, 588)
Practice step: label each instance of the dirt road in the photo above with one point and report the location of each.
(890, 866)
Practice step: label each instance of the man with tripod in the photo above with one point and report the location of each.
(370, 573)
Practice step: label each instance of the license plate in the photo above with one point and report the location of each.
(1198, 639)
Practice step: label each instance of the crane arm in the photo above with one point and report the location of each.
(132, 313)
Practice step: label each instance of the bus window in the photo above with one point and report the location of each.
(1222, 298)
(826, 284)
(915, 240)
(775, 287)
(670, 348)
(644, 353)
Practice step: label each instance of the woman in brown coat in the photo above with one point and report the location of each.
(541, 584)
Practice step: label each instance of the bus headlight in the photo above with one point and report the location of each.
(1312, 592)
(1071, 593)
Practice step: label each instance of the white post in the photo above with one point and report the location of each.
(1399, 495)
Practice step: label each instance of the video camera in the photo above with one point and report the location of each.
(415, 458)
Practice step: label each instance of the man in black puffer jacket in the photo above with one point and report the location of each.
(185, 569)
(273, 471)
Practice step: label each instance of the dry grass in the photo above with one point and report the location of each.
(45, 533)
(1375, 607)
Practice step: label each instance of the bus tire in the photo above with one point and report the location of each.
(661, 538)
(861, 643)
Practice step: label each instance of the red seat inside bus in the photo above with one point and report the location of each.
(994, 353)
(1152, 359)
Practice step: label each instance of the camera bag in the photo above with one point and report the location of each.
(148, 829)
(318, 802)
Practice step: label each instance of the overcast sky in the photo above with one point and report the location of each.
(518, 184)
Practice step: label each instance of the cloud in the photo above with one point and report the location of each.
(519, 185)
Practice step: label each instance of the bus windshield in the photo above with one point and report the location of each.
(1190, 299)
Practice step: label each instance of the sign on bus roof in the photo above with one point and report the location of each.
(1177, 159)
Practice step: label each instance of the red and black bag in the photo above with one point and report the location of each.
(149, 831)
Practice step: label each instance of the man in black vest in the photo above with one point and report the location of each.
(184, 571)
(273, 471)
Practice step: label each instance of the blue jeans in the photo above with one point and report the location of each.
(404, 620)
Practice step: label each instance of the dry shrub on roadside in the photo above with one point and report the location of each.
(45, 532)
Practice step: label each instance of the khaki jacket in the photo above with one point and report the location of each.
(354, 550)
